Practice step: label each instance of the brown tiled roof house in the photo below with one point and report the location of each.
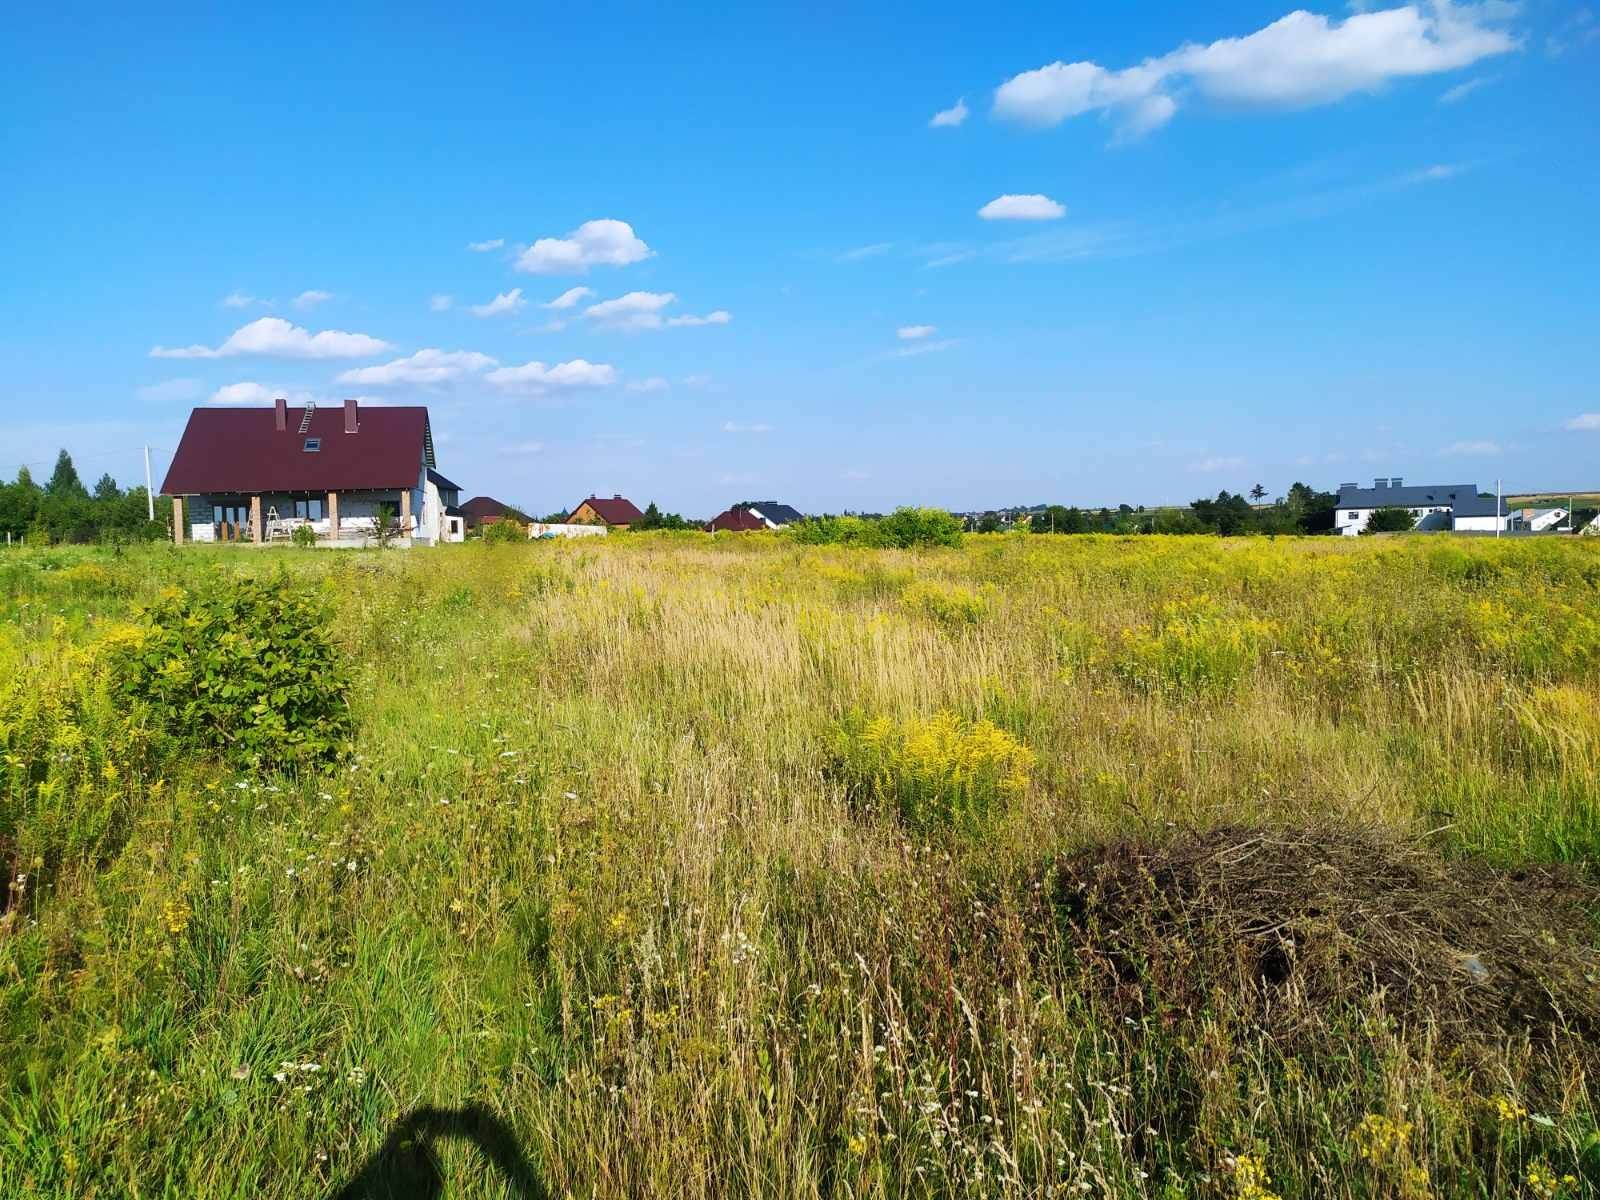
(257, 474)
(616, 512)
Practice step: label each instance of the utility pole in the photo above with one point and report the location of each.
(1498, 521)
(149, 498)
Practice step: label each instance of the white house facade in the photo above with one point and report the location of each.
(1434, 506)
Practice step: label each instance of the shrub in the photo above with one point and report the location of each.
(243, 666)
(902, 529)
(303, 535)
(1390, 520)
(937, 773)
(1194, 647)
(505, 530)
(907, 527)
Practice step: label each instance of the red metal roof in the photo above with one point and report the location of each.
(615, 511)
(736, 520)
(240, 450)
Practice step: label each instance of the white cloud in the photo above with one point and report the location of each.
(171, 389)
(735, 427)
(1022, 208)
(637, 311)
(701, 380)
(594, 243)
(249, 392)
(424, 367)
(569, 298)
(505, 302)
(1470, 449)
(1462, 90)
(311, 297)
(485, 247)
(950, 117)
(273, 337)
(720, 317)
(440, 302)
(1300, 60)
(912, 333)
(653, 384)
(1434, 173)
(536, 376)
(1217, 463)
(239, 300)
(1583, 423)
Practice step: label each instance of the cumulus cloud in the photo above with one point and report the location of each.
(1583, 423)
(1298, 61)
(485, 247)
(423, 367)
(637, 311)
(1022, 208)
(537, 377)
(505, 302)
(594, 243)
(1471, 449)
(273, 337)
(653, 384)
(720, 317)
(949, 118)
(171, 389)
(238, 299)
(311, 297)
(440, 302)
(569, 298)
(250, 392)
(912, 333)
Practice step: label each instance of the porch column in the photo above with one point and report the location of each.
(255, 519)
(333, 516)
(177, 520)
(405, 511)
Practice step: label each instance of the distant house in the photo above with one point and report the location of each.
(259, 474)
(615, 513)
(753, 515)
(1538, 520)
(485, 510)
(1440, 506)
(444, 497)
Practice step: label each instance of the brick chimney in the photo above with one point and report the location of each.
(351, 424)
(280, 415)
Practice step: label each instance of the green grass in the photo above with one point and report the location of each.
(592, 864)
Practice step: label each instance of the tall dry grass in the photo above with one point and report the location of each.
(595, 864)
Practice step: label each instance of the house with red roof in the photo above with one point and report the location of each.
(259, 474)
(615, 513)
(754, 515)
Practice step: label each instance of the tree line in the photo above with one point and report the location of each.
(64, 510)
(1301, 510)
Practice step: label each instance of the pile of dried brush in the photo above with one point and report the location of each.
(1285, 927)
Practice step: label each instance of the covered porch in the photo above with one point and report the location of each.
(335, 519)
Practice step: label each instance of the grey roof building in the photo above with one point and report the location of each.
(1453, 506)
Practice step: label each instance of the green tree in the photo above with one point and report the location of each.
(1257, 493)
(1390, 520)
(107, 488)
(64, 482)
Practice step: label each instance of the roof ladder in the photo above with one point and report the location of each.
(305, 421)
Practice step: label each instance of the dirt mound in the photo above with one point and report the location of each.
(1284, 927)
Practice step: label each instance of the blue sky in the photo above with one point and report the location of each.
(841, 258)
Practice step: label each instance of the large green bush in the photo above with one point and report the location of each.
(902, 529)
(244, 666)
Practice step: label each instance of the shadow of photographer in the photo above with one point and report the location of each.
(406, 1166)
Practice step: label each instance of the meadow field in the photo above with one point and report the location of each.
(676, 865)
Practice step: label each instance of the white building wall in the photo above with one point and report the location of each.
(1351, 521)
(1485, 524)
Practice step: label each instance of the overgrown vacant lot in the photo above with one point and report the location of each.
(1145, 867)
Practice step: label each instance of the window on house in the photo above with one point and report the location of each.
(310, 510)
(313, 445)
